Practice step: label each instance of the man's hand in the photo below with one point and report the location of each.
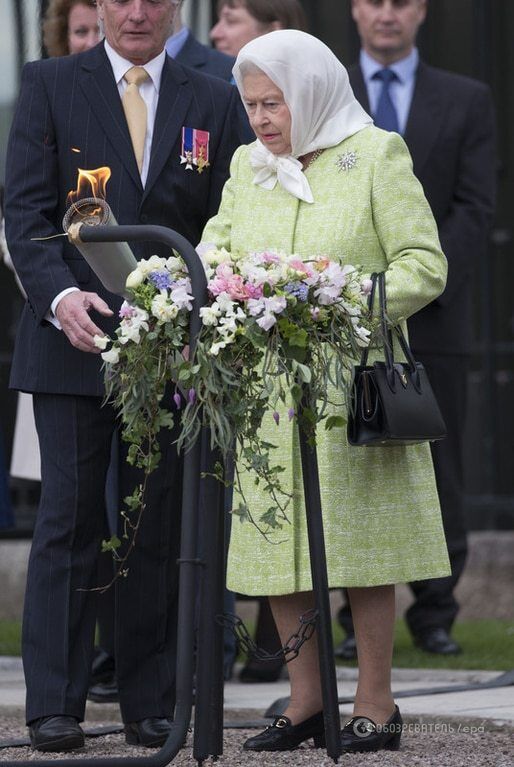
(72, 313)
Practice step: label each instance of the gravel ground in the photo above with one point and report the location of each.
(455, 744)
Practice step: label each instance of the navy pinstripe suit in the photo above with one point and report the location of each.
(67, 104)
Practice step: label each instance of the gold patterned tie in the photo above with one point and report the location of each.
(135, 110)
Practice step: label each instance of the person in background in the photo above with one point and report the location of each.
(70, 26)
(240, 21)
(448, 124)
(321, 179)
(185, 48)
(6, 515)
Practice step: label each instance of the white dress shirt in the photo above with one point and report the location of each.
(149, 91)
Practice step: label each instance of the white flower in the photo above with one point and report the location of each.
(135, 278)
(101, 341)
(112, 356)
(213, 256)
(210, 314)
(225, 303)
(174, 264)
(162, 309)
(152, 264)
(130, 328)
(182, 298)
(216, 347)
(362, 335)
(266, 321)
(366, 286)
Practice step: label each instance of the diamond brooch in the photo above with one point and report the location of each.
(347, 161)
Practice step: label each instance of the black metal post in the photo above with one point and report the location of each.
(208, 729)
(320, 587)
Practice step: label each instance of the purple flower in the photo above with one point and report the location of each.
(177, 400)
(276, 417)
(297, 289)
(290, 413)
(191, 396)
(161, 280)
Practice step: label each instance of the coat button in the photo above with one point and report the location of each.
(143, 218)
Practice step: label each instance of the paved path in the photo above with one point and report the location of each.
(460, 729)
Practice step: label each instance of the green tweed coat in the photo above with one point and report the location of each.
(380, 508)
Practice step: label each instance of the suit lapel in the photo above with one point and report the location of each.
(359, 87)
(99, 87)
(425, 119)
(174, 98)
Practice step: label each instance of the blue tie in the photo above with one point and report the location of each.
(386, 116)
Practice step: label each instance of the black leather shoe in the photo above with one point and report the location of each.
(151, 733)
(362, 734)
(104, 692)
(284, 736)
(347, 649)
(437, 641)
(56, 733)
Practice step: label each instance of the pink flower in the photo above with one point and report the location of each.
(228, 282)
(299, 266)
(268, 257)
(254, 291)
(127, 311)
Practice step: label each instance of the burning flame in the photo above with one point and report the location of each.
(90, 183)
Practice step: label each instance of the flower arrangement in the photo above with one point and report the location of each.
(279, 332)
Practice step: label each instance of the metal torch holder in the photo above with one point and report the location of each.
(198, 628)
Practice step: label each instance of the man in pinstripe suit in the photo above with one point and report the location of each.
(70, 115)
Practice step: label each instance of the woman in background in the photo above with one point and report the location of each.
(70, 26)
(240, 21)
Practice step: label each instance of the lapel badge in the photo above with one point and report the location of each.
(347, 161)
(195, 149)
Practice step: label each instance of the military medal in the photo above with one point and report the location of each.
(195, 149)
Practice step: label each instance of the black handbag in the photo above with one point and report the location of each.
(392, 403)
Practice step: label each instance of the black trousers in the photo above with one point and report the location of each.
(435, 605)
(75, 436)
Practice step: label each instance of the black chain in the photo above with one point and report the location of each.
(290, 650)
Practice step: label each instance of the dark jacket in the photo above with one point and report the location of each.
(73, 103)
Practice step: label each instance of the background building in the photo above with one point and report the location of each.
(473, 37)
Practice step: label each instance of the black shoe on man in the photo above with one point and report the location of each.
(347, 649)
(151, 732)
(437, 641)
(56, 733)
(104, 692)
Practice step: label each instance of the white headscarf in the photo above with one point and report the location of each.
(317, 91)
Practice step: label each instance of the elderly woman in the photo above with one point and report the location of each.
(70, 26)
(243, 20)
(322, 180)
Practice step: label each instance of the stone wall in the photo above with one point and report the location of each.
(485, 590)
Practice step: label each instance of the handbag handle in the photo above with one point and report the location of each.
(387, 333)
(371, 300)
